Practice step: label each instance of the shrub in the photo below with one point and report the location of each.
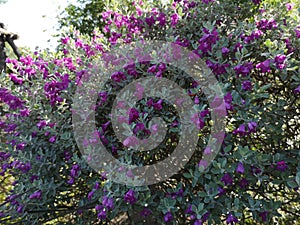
(251, 49)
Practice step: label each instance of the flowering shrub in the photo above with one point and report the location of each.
(255, 178)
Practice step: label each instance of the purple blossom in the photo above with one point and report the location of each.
(189, 210)
(265, 24)
(227, 179)
(168, 217)
(20, 208)
(52, 139)
(150, 21)
(243, 183)
(33, 178)
(133, 115)
(25, 112)
(108, 202)
(15, 78)
(198, 222)
(263, 215)
(130, 197)
(281, 166)
(243, 69)
(65, 40)
(279, 61)
(247, 85)
(225, 51)
(36, 195)
(158, 105)
(118, 76)
(231, 219)
(145, 212)
(289, 6)
(255, 170)
(130, 141)
(217, 69)
(207, 1)
(208, 40)
(252, 127)
(297, 90)
(297, 31)
(90, 195)
(174, 19)
(264, 66)
(240, 168)
(256, 2)
(141, 129)
(162, 19)
(228, 101)
(241, 130)
(102, 214)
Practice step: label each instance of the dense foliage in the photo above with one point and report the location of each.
(251, 48)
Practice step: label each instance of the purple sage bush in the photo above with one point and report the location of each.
(251, 47)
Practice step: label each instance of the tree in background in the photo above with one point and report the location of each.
(84, 16)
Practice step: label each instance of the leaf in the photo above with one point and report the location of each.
(298, 178)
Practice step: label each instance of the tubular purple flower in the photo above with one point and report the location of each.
(130, 197)
(240, 168)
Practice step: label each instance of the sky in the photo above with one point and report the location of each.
(33, 20)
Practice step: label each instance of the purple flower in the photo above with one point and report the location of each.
(158, 104)
(243, 183)
(281, 166)
(90, 195)
(244, 69)
(256, 2)
(150, 21)
(25, 112)
(20, 208)
(289, 6)
(16, 79)
(174, 19)
(207, 1)
(168, 217)
(130, 197)
(33, 178)
(227, 179)
(162, 19)
(252, 126)
(108, 202)
(279, 61)
(52, 139)
(133, 115)
(265, 24)
(297, 31)
(297, 90)
(231, 219)
(240, 168)
(198, 222)
(241, 130)
(36, 195)
(130, 141)
(189, 210)
(263, 215)
(225, 51)
(255, 170)
(65, 40)
(246, 85)
(102, 214)
(145, 212)
(118, 76)
(208, 40)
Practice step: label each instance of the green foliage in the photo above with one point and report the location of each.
(84, 16)
(255, 177)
